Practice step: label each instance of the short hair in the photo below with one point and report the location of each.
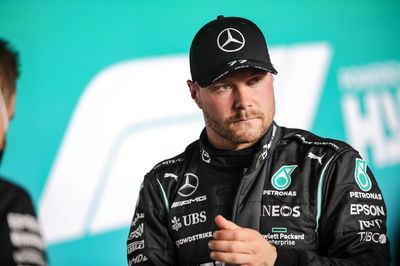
(9, 67)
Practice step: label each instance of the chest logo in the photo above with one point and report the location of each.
(313, 156)
(281, 179)
(361, 176)
(176, 223)
(190, 186)
(205, 156)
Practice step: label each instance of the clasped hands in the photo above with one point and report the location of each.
(237, 245)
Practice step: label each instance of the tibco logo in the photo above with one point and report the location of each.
(372, 237)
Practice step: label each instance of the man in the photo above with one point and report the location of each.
(20, 240)
(250, 192)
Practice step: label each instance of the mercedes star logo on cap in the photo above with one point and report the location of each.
(230, 40)
(190, 186)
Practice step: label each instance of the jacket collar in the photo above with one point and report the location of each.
(228, 158)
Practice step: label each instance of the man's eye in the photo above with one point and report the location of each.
(255, 80)
(222, 87)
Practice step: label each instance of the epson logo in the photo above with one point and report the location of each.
(189, 201)
(276, 211)
(369, 210)
(370, 224)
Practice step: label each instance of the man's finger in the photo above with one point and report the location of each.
(232, 258)
(228, 246)
(239, 234)
(224, 223)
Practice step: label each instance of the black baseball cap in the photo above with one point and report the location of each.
(227, 44)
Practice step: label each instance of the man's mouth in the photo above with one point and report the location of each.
(245, 117)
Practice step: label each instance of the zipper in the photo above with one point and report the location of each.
(260, 159)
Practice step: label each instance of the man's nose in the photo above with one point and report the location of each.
(242, 97)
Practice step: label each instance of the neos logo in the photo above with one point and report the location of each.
(123, 125)
(276, 211)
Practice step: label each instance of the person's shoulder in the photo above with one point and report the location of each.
(9, 188)
(176, 161)
(306, 138)
(14, 198)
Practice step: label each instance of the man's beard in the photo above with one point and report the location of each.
(242, 136)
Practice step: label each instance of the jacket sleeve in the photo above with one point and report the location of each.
(148, 241)
(20, 237)
(352, 222)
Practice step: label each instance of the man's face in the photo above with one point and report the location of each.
(7, 106)
(238, 109)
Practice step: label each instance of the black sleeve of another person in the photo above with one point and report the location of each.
(21, 242)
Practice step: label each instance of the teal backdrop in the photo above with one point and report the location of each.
(64, 45)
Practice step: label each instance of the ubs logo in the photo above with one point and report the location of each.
(190, 186)
(188, 220)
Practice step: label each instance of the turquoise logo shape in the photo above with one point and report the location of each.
(361, 176)
(281, 179)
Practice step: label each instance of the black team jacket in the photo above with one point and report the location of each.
(315, 199)
(20, 239)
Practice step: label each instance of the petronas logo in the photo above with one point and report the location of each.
(281, 179)
(361, 176)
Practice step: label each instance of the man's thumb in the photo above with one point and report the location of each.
(223, 223)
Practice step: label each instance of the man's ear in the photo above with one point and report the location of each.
(194, 92)
(11, 106)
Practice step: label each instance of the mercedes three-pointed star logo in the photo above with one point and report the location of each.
(230, 40)
(190, 186)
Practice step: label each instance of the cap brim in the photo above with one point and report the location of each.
(206, 79)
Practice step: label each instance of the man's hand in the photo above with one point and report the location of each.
(237, 245)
